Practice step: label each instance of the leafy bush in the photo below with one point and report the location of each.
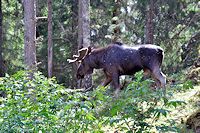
(138, 108)
(42, 105)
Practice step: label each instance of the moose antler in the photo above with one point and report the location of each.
(81, 55)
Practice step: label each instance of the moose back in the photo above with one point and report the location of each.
(117, 59)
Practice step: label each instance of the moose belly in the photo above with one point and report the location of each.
(130, 71)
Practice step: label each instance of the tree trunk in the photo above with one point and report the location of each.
(2, 65)
(30, 35)
(74, 40)
(84, 34)
(50, 48)
(84, 24)
(149, 23)
(115, 21)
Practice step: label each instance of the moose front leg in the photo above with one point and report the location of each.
(106, 81)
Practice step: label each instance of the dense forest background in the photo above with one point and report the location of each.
(174, 26)
(40, 35)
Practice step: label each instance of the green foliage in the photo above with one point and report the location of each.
(138, 108)
(42, 105)
(12, 35)
(28, 105)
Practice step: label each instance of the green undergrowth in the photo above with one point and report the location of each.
(42, 105)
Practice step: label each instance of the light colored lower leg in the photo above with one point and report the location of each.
(116, 93)
(163, 80)
(158, 75)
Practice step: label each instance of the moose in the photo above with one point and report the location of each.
(118, 59)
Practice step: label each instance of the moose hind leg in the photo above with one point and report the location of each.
(116, 84)
(158, 75)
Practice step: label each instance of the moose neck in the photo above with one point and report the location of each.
(96, 59)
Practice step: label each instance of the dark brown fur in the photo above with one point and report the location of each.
(117, 59)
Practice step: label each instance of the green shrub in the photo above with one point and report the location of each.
(138, 108)
(42, 105)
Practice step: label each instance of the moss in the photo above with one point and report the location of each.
(193, 121)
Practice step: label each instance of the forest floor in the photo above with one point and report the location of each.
(181, 113)
(177, 116)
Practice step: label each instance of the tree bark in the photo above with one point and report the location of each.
(115, 21)
(149, 23)
(2, 65)
(30, 35)
(50, 43)
(74, 40)
(84, 34)
(84, 24)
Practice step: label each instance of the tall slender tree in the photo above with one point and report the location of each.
(149, 22)
(30, 34)
(84, 33)
(50, 43)
(2, 65)
(74, 17)
(115, 21)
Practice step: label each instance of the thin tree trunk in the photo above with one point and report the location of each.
(50, 47)
(30, 34)
(84, 33)
(149, 30)
(74, 40)
(84, 24)
(115, 21)
(2, 65)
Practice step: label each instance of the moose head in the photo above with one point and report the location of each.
(83, 59)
